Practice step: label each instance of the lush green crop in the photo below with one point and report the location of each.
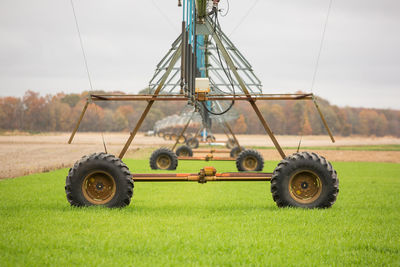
(213, 224)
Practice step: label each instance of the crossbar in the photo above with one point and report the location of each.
(195, 177)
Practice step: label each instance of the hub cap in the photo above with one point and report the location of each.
(163, 162)
(98, 187)
(250, 163)
(305, 186)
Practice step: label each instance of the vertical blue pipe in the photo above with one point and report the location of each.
(190, 21)
(183, 11)
(194, 23)
(200, 53)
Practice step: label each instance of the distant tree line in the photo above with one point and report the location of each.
(60, 112)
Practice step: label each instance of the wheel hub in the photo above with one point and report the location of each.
(163, 162)
(250, 163)
(305, 186)
(98, 187)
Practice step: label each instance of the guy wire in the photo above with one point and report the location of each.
(320, 46)
(86, 66)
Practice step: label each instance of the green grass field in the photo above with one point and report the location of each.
(229, 224)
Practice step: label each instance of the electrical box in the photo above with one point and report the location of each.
(202, 85)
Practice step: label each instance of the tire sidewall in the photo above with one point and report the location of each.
(249, 153)
(235, 150)
(195, 142)
(184, 149)
(304, 165)
(166, 152)
(100, 165)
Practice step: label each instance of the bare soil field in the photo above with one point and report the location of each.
(23, 154)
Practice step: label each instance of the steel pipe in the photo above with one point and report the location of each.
(195, 177)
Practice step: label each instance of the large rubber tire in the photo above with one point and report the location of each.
(99, 179)
(184, 151)
(249, 160)
(163, 159)
(192, 142)
(304, 180)
(230, 143)
(210, 138)
(236, 151)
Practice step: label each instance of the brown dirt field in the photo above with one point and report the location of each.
(25, 154)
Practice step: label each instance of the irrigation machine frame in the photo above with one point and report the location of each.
(303, 179)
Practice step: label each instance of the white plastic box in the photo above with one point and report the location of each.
(202, 85)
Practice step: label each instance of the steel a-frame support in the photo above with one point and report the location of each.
(232, 67)
(132, 135)
(174, 58)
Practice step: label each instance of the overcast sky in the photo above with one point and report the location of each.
(124, 40)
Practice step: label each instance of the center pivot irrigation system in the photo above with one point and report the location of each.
(303, 179)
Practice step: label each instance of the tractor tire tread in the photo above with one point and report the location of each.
(72, 184)
(312, 158)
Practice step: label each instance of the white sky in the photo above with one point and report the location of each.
(124, 40)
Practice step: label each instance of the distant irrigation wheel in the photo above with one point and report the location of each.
(163, 159)
(236, 151)
(167, 136)
(174, 137)
(304, 180)
(99, 179)
(249, 160)
(184, 151)
(210, 138)
(192, 142)
(230, 143)
(160, 134)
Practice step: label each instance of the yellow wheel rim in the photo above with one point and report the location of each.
(250, 163)
(98, 187)
(163, 162)
(305, 186)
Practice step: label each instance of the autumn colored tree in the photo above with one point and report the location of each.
(60, 112)
(368, 121)
(11, 113)
(307, 130)
(240, 125)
